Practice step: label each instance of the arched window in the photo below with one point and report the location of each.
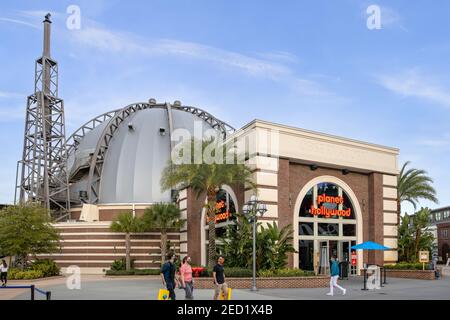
(326, 226)
(327, 200)
(226, 208)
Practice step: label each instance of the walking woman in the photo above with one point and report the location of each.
(187, 283)
(4, 273)
(334, 277)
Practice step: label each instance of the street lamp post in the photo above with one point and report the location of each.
(251, 210)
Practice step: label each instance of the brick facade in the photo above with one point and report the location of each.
(288, 282)
(292, 177)
(443, 242)
(411, 274)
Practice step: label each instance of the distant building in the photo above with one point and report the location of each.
(441, 219)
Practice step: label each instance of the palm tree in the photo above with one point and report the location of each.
(207, 177)
(412, 185)
(414, 235)
(420, 221)
(128, 224)
(405, 239)
(162, 216)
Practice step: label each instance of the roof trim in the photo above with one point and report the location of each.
(319, 135)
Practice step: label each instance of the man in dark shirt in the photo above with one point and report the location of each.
(168, 275)
(219, 279)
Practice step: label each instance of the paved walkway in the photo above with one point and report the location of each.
(146, 288)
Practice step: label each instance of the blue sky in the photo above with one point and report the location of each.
(310, 64)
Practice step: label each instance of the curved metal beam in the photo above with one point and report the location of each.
(209, 118)
(74, 138)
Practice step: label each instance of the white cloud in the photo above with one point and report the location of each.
(5, 94)
(21, 22)
(12, 114)
(119, 42)
(271, 65)
(440, 142)
(414, 84)
(391, 18)
(281, 56)
(94, 37)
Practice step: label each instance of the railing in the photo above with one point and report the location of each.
(33, 289)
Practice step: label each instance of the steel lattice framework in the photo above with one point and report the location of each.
(114, 119)
(43, 168)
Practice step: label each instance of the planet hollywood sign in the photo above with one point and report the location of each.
(222, 213)
(327, 212)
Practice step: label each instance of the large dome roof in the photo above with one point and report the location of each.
(119, 156)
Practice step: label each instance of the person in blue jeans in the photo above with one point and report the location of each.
(334, 270)
(168, 275)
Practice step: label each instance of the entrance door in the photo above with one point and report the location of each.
(334, 249)
(306, 255)
(345, 254)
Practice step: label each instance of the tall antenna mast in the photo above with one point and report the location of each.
(43, 168)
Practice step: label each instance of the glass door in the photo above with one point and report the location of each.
(345, 255)
(306, 255)
(353, 269)
(334, 249)
(324, 262)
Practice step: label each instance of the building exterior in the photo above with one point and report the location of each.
(441, 219)
(334, 191)
(312, 175)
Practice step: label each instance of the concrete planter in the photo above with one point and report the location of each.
(265, 283)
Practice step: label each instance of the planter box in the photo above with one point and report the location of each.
(265, 283)
(410, 274)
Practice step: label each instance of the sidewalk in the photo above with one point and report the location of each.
(146, 288)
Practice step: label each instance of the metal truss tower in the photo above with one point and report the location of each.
(43, 168)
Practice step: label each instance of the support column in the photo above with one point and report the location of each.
(376, 233)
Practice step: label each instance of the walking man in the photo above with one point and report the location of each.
(219, 279)
(168, 275)
(334, 277)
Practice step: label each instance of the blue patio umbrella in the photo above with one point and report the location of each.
(370, 245)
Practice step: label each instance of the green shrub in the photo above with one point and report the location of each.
(46, 266)
(285, 273)
(230, 272)
(121, 264)
(119, 272)
(407, 266)
(147, 272)
(138, 272)
(12, 273)
(237, 272)
(15, 274)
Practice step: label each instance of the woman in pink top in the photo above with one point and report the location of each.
(186, 278)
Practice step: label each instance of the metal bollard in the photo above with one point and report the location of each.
(381, 277)
(365, 280)
(32, 291)
(48, 295)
